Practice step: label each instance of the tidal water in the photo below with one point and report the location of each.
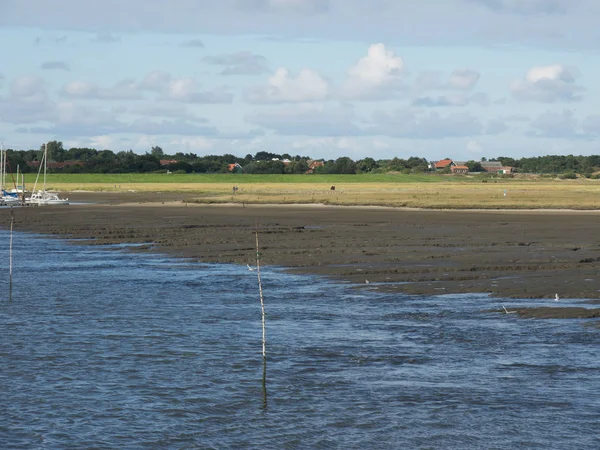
(106, 349)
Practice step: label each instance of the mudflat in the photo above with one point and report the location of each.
(519, 254)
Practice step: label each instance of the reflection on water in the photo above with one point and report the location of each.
(104, 349)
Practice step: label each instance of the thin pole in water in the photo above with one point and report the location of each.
(262, 303)
(264, 330)
(10, 252)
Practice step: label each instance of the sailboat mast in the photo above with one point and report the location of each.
(45, 164)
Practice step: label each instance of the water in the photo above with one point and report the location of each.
(106, 349)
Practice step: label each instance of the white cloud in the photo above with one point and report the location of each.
(459, 100)
(411, 125)
(496, 126)
(104, 142)
(168, 88)
(474, 147)
(307, 120)
(463, 79)
(375, 76)
(591, 125)
(556, 125)
(525, 7)
(240, 63)
(282, 87)
(548, 84)
(327, 142)
(123, 90)
(27, 87)
(192, 144)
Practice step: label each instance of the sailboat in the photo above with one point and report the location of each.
(6, 198)
(43, 197)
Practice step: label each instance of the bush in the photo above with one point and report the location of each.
(569, 175)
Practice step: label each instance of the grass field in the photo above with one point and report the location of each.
(419, 191)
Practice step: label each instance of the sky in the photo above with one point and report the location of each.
(463, 79)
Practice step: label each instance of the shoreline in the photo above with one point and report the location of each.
(502, 253)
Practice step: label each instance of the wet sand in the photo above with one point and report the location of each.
(518, 254)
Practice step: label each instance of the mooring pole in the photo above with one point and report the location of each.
(10, 252)
(262, 303)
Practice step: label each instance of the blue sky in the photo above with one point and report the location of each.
(324, 78)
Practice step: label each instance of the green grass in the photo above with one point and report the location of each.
(233, 178)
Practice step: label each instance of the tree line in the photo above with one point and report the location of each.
(89, 160)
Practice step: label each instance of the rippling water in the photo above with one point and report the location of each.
(106, 349)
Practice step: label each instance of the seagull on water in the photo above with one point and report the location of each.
(366, 281)
(556, 297)
(250, 268)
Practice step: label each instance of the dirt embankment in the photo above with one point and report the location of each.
(506, 254)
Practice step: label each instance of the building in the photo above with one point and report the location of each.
(312, 165)
(441, 165)
(234, 168)
(166, 162)
(459, 169)
(496, 167)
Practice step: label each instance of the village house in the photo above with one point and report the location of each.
(496, 167)
(312, 165)
(459, 169)
(441, 165)
(234, 168)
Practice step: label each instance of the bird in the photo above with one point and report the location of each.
(366, 281)
(556, 297)
(250, 268)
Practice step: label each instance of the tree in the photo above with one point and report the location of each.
(474, 166)
(366, 165)
(157, 152)
(56, 152)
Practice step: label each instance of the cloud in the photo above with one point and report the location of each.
(192, 144)
(408, 124)
(455, 100)
(496, 126)
(525, 7)
(165, 109)
(55, 40)
(556, 125)
(123, 90)
(55, 65)
(195, 43)
(302, 6)
(591, 125)
(307, 120)
(105, 38)
(474, 147)
(453, 24)
(27, 102)
(463, 79)
(548, 84)
(167, 87)
(283, 87)
(374, 77)
(240, 63)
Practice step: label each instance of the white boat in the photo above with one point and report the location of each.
(44, 197)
